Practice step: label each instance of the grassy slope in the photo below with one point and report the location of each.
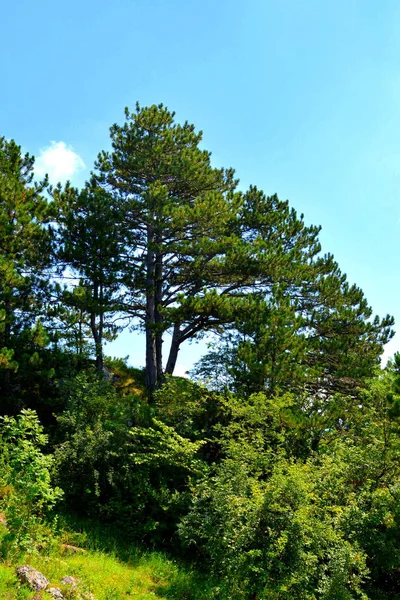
(109, 569)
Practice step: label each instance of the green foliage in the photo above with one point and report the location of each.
(92, 435)
(113, 457)
(264, 353)
(272, 538)
(90, 245)
(25, 259)
(161, 464)
(281, 517)
(282, 474)
(160, 446)
(174, 213)
(291, 342)
(27, 478)
(191, 409)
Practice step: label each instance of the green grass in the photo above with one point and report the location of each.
(110, 568)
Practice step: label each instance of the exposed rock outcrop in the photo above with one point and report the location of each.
(30, 576)
(68, 549)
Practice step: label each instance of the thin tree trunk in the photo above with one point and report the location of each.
(158, 317)
(97, 330)
(173, 352)
(151, 351)
(7, 323)
(7, 342)
(80, 334)
(97, 342)
(151, 357)
(100, 354)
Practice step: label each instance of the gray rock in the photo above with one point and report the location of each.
(55, 593)
(36, 580)
(68, 549)
(68, 580)
(74, 582)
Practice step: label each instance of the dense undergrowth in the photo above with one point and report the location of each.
(259, 499)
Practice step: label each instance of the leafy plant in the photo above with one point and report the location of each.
(28, 477)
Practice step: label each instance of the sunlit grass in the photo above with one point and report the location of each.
(109, 568)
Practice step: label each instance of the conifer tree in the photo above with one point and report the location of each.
(25, 256)
(194, 247)
(90, 249)
(344, 339)
(196, 251)
(174, 213)
(317, 340)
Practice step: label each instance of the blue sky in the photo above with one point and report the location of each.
(302, 98)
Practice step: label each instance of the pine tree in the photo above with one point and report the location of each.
(317, 340)
(345, 341)
(194, 245)
(174, 213)
(196, 251)
(25, 257)
(89, 252)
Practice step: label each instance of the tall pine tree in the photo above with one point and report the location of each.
(25, 258)
(90, 251)
(194, 246)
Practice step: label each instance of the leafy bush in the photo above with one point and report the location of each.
(26, 474)
(273, 538)
(92, 436)
(117, 460)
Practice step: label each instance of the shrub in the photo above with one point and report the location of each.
(273, 539)
(26, 473)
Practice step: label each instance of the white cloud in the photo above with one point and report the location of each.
(59, 161)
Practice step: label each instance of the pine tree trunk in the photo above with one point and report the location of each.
(173, 352)
(97, 343)
(97, 331)
(158, 317)
(151, 357)
(151, 347)
(6, 342)
(79, 341)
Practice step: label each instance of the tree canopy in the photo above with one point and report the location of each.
(25, 260)
(191, 251)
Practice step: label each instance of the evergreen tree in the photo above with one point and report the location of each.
(194, 247)
(90, 250)
(318, 340)
(345, 341)
(174, 214)
(25, 257)
(263, 351)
